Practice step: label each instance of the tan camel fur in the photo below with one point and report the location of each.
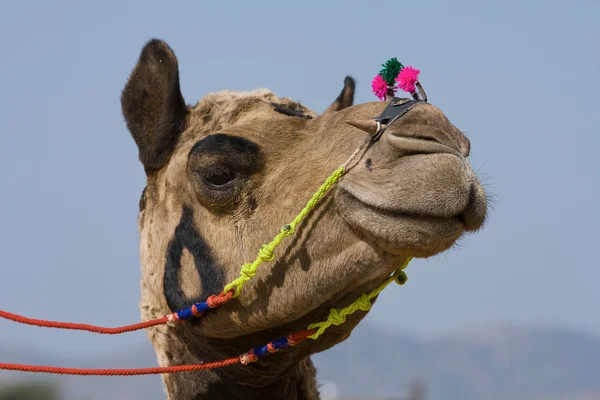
(225, 175)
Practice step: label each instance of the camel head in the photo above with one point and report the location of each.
(223, 177)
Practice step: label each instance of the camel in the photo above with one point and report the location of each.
(224, 175)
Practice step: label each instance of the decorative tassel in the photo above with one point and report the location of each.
(384, 85)
(391, 69)
(407, 78)
(380, 87)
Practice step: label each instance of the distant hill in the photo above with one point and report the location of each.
(496, 363)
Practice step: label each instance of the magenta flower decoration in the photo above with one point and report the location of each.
(407, 78)
(380, 87)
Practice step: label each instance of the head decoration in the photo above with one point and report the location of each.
(384, 86)
(394, 76)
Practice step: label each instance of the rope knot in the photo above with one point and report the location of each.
(247, 272)
(401, 277)
(363, 302)
(266, 253)
(287, 229)
(248, 358)
(172, 318)
(335, 317)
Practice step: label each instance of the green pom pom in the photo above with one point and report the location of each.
(390, 70)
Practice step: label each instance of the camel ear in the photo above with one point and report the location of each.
(152, 104)
(346, 97)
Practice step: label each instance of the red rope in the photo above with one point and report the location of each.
(213, 301)
(119, 372)
(82, 327)
(220, 299)
(293, 339)
(297, 337)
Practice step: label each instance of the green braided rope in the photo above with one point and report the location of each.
(266, 252)
(338, 317)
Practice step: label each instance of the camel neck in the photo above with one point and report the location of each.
(297, 382)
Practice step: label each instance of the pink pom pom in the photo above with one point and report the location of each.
(407, 78)
(379, 87)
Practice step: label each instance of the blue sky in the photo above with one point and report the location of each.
(519, 77)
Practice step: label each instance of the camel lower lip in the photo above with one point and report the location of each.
(398, 232)
(396, 214)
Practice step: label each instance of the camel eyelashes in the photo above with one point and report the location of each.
(282, 109)
(219, 177)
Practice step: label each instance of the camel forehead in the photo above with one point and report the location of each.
(222, 109)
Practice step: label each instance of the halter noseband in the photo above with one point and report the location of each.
(396, 108)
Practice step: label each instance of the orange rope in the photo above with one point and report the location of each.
(118, 372)
(82, 327)
(292, 340)
(213, 301)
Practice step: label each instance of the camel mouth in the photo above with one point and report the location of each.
(395, 214)
(474, 215)
(418, 233)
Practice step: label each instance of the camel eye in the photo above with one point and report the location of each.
(219, 168)
(219, 177)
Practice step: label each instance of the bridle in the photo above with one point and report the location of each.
(394, 111)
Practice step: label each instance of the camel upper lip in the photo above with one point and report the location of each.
(416, 144)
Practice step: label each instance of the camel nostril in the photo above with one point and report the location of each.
(465, 147)
(427, 139)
